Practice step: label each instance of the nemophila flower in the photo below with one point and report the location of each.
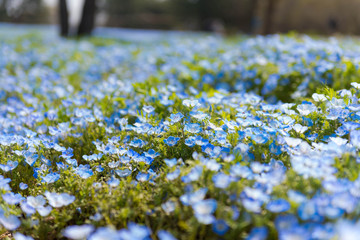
(4, 183)
(191, 103)
(23, 186)
(30, 158)
(171, 162)
(113, 182)
(275, 149)
(211, 165)
(173, 175)
(211, 150)
(355, 138)
(135, 231)
(258, 233)
(36, 202)
(337, 113)
(105, 233)
(78, 231)
(26, 208)
(299, 128)
(355, 85)
(165, 235)
(148, 109)
(9, 166)
(10, 222)
(84, 171)
(279, 205)
(19, 236)
(44, 211)
(168, 206)
(142, 177)
(347, 229)
(137, 143)
(12, 198)
(296, 196)
(220, 227)
(238, 170)
(175, 117)
(123, 172)
(152, 154)
(114, 164)
(193, 175)
(292, 142)
(72, 162)
(338, 141)
(306, 108)
(200, 116)
(59, 199)
(190, 141)
(51, 178)
(92, 157)
(192, 128)
(319, 97)
(192, 198)
(171, 141)
(204, 209)
(68, 153)
(259, 138)
(221, 180)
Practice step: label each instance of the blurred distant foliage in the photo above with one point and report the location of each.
(225, 16)
(180, 14)
(28, 11)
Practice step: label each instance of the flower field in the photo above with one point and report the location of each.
(189, 138)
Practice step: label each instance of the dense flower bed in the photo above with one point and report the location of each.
(185, 139)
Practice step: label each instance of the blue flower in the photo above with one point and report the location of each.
(279, 205)
(220, 227)
(174, 118)
(30, 158)
(221, 180)
(84, 171)
(11, 165)
(51, 178)
(173, 175)
(258, 233)
(123, 173)
(19, 236)
(171, 141)
(190, 141)
(59, 199)
(204, 210)
(135, 231)
(148, 109)
(104, 233)
(78, 231)
(142, 177)
(355, 138)
(12, 198)
(10, 223)
(23, 186)
(192, 127)
(165, 235)
(27, 208)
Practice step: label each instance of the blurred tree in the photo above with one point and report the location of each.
(86, 24)
(87, 18)
(64, 18)
(269, 16)
(29, 11)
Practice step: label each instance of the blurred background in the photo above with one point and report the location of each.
(221, 16)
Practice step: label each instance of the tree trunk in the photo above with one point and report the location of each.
(64, 16)
(88, 18)
(269, 14)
